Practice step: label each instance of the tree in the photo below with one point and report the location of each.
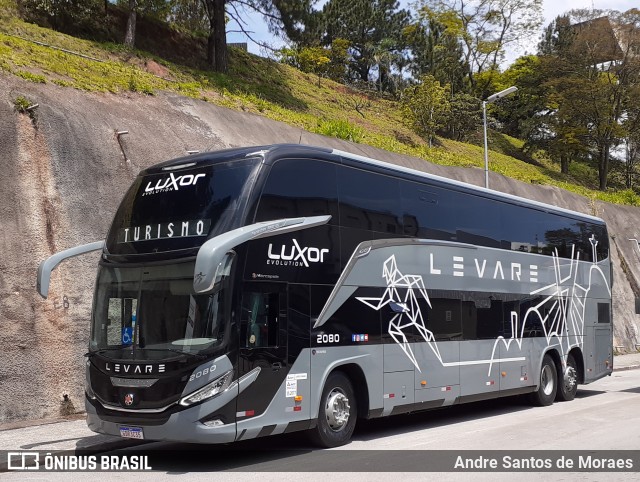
(217, 38)
(339, 60)
(296, 20)
(631, 126)
(596, 81)
(556, 37)
(435, 50)
(189, 15)
(307, 59)
(130, 33)
(485, 28)
(463, 117)
(425, 107)
(370, 26)
(283, 17)
(154, 8)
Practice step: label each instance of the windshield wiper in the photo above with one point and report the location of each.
(174, 350)
(99, 352)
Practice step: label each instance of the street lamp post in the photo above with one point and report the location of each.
(491, 98)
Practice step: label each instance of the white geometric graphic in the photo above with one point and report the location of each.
(563, 324)
(409, 314)
(560, 314)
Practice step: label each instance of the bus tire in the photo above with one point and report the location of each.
(546, 392)
(568, 384)
(337, 413)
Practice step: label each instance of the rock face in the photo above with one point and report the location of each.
(64, 173)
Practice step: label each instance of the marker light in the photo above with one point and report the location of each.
(298, 398)
(212, 389)
(216, 422)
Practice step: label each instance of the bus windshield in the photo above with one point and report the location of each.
(154, 309)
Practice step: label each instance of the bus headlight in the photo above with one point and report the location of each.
(212, 389)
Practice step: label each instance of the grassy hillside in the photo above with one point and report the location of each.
(267, 88)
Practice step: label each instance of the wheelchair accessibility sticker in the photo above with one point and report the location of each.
(127, 335)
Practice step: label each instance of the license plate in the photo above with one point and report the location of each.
(131, 432)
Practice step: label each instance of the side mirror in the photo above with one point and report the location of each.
(49, 264)
(211, 254)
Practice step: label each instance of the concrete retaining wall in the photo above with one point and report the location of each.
(64, 175)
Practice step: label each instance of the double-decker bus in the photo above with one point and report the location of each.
(264, 290)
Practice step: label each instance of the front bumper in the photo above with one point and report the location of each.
(182, 426)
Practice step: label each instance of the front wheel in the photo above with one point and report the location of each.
(337, 413)
(568, 385)
(546, 393)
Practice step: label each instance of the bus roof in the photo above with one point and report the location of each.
(273, 152)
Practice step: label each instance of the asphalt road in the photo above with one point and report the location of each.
(604, 416)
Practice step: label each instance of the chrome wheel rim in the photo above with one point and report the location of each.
(337, 410)
(546, 380)
(570, 378)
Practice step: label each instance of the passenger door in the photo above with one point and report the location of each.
(262, 346)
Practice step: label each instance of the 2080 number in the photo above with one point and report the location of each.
(330, 338)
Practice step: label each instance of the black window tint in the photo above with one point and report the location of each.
(350, 238)
(471, 219)
(422, 212)
(489, 316)
(369, 201)
(602, 247)
(572, 238)
(560, 236)
(297, 187)
(354, 321)
(604, 313)
(522, 229)
(532, 312)
(444, 317)
(529, 230)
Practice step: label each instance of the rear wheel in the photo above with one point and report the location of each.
(546, 393)
(568, 385)
(337, 414)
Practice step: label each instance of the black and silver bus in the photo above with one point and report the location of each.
(264, 290)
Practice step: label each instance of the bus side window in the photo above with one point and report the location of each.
(260, 319)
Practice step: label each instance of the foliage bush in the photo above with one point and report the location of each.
(21, 104)
(425, 107)
(341, 129)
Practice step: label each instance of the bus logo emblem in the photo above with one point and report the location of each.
(296, 255)
(172, 183)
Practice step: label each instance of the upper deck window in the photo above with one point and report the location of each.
(370, 201)
(299, 187)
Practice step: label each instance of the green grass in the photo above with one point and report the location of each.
(276, 91)
(341, 129)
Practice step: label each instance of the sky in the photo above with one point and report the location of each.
(551, 9)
